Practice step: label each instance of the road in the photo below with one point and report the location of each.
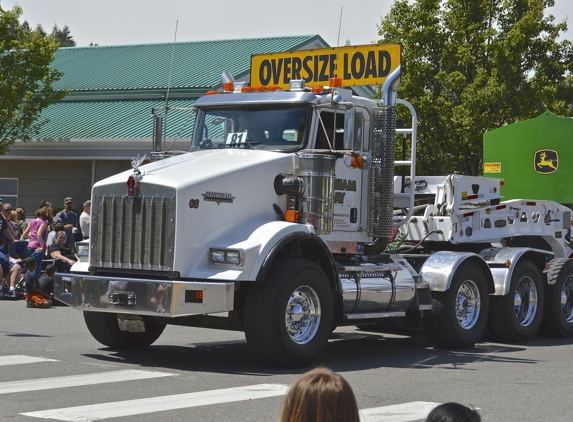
(51, 368)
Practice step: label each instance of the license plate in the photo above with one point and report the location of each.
(132, 325)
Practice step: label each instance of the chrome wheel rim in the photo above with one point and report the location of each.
(566, 299)
(525, 301)
(468, 304)
(302, 316)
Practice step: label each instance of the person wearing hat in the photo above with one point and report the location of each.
(70, 221)
(85, 219)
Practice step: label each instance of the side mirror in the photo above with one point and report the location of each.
(349, 118)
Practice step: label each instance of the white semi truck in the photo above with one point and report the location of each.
(285, 220)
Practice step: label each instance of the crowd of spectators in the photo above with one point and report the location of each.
(26, 245)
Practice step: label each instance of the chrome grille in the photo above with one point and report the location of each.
(382, 175)
(133, 233)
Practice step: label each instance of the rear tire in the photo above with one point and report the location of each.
(558, 315)
(459, 315)
(516, 317)
(105, 329)
(289, 317)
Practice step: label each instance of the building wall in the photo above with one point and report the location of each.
(53, 180)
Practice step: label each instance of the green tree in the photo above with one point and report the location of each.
(26, 79)
(62, 36)
(472, 65)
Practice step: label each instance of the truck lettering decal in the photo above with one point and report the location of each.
(339, 197)
(357, 65)
(218, 197)
(343, 184)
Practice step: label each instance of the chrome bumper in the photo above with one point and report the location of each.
(143, 297)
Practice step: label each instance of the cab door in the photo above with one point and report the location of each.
(348, 181)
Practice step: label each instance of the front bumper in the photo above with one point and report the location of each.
(143, 297)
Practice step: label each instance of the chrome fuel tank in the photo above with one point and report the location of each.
(372, 288)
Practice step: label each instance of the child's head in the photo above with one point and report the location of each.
(51, 270)
(30, 263)
(453, 412)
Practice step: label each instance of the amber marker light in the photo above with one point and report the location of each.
(316, 89)
(212, 92)
(259, 88)
(356, 162)
(334, 82)
(228, 87)
(273, 88)
(291, 216)
(246, 89)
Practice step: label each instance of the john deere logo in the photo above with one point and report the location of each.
(546, 161)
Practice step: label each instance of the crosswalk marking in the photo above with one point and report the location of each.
(78, 380)
(22, 359)
(158, 404)
(405, 412)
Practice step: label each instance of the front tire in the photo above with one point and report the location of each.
(105, 329)
(459, 315)
(558, 315)
(289, 317)
(516, 317)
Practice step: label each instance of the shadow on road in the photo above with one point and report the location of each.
(346, 351)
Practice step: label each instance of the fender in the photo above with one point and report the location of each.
(260, 243)
(498, 259)
(439, 269)
(330, 269)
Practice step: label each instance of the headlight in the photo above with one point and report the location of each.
(227, 257)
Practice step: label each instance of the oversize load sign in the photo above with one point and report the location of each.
(358, 65)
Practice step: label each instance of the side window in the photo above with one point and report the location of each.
(9, 191)
(331, 129)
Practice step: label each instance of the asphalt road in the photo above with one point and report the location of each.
(67, 368)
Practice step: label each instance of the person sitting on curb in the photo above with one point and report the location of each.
(10, 266)
(35, 297)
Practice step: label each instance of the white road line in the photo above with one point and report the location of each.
(406, 412)
(78, 380)
(22, 359)
(158, 404)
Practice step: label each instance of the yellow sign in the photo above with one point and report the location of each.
(492, 168)
(358, 65)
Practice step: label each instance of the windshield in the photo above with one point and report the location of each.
(262, 126)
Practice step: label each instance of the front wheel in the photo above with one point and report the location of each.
(105, 329)
(516, 317)
(459, 315)
(289, 317)
(558, 315)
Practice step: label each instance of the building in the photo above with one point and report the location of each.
(106, 121)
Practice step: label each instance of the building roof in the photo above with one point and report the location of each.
(149, 67)
(115, 88)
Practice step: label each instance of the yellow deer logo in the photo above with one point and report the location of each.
(545, 161)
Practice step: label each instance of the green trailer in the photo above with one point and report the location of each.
(534, 157)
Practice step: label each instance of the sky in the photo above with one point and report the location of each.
(116, 22)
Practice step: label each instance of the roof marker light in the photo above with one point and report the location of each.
(212, 92)
(334, 82)
(272, 88)
(238, 86)
(246, 89)
(316, 89)
(228, 86)
(297, 85)
(259, 88)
